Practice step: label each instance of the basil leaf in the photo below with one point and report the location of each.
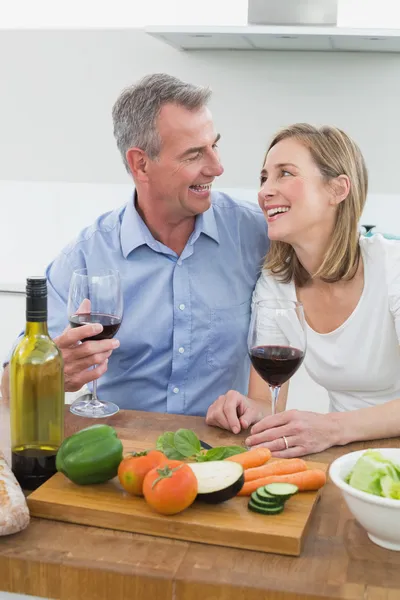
(166, 438)
(187, 442)
(165, 443)
(221, 452)
(173, 454)
(232, 450)
(212, 454)
(159, 443)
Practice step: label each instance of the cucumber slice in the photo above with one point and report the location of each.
(281, 490)
(271, 500)
(262, 493)
(267, 502)
(265, 510)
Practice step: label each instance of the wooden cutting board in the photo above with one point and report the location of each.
(227, 524)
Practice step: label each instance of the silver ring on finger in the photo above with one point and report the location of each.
(286, 442)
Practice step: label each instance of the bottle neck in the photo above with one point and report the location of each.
(36, 328)
(36, 314)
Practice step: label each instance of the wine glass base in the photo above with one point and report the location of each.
(85, 407)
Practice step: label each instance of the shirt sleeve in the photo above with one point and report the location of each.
(392, 265)
(263, 289)
(58, 274)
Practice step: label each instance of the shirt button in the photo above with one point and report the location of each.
(181, 307)
(181, 350)
(175, 390)
(179, 262)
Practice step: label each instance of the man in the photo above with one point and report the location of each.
(189, 259)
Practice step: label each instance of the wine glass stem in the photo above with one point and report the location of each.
(95, 401)
(274, 393)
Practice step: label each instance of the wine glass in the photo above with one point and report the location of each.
(277, 341)
(95, 297)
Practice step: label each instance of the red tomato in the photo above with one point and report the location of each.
(170, 488)
(133, 469)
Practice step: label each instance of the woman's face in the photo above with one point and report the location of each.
(294, 197)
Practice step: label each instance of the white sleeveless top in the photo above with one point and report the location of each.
(359, 362)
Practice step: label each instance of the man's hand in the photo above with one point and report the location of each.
(78, 358)
(235, 412)
(305, 432)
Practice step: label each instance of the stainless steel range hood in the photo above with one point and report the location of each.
(295, 25)
(293, 12)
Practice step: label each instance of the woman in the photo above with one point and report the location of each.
(313, 190)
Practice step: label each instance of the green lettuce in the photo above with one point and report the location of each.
(375, 474)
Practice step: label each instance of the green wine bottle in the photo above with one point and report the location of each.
(36, 394)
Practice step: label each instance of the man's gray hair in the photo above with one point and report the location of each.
(136, 110)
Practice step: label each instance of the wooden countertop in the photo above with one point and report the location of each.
(73, 562)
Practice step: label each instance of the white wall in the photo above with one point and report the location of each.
(58, 87)
(59, 166)
(46, 14)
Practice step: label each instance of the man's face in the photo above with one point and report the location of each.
(188, 162)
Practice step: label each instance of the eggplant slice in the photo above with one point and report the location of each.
(205, 446)
(217, 480)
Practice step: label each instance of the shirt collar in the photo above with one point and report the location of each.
(206, 223)
(135, 233)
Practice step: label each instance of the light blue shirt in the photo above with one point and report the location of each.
(183, 338)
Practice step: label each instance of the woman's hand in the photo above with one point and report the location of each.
(235, 412)
(305, 433)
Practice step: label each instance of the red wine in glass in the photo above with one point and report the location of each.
(276, 341)
(95, 296)
(276, 364)
(110, 324)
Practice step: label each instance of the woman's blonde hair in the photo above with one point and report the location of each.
(335, 154)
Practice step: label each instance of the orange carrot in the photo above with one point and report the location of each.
(251, 458)
(279, 467)
(312, 479)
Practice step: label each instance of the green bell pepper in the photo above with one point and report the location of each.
(91, 455)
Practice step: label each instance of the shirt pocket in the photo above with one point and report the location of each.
(227, 336)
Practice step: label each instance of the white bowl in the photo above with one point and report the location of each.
(379, 516)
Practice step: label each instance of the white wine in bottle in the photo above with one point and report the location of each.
(36, 394)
